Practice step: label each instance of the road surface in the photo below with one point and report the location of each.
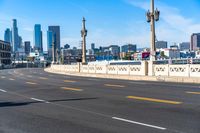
(34, 101)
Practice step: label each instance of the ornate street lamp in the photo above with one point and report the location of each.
(151, 17)
(83, 35)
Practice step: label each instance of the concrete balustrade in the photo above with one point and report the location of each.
(145, 69)
(186, 70)
(104, 69)
(194, 70)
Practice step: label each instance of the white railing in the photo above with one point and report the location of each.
(194, 70)
(103, 69)
(187, 70)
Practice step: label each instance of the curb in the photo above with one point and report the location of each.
(128, 77)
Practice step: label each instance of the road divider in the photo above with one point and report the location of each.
(114, 85)
(190, 92)
(139, 123)
(153, 100)
(71, 89)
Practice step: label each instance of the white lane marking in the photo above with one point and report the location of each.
(139, 123)
(3, 77)
(3, 90)
(29, 76)
(39, 100)
(11, 79)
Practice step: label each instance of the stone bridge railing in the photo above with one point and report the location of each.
(104, 69)
(188, 70)
(145, 69)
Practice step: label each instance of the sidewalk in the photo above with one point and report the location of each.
(128, 77)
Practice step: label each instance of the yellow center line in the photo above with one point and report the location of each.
(112, 85)
(190, 92)
(71, 89)
(31, 83)
(154, 100)
(43, 78)
(69, 81)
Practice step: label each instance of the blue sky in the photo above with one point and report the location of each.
(108, 21)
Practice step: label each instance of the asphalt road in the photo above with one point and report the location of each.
(33, 101)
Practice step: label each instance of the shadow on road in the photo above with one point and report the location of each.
(15, 104)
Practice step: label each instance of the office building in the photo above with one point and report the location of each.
(56, 35)
(92, 46)
(195, 42)
(5, 53)
(38, 45)
(114, 51)
(8, 35)
(27, 46)
(171, 53)
(161, 44)
(49, 43)
(184, 46)
(20, 42)
(129, 48)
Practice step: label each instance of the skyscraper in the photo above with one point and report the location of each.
(56, 34)
(195, 41)
(20, 41)
(49, 43)
(27, 45)
(38, 38)
(8, 35)
(15, 36)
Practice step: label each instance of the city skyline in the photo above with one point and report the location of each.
(109, 22)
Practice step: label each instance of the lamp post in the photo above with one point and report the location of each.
(83, 35)
(152, 16)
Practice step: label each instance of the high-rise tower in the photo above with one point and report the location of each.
(8, 35)
(38, 38)
(15, 36)
(53, 36)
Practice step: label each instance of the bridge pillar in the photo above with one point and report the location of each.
(150, 68)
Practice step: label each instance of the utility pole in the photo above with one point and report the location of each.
(83, 35)
(152, 16)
